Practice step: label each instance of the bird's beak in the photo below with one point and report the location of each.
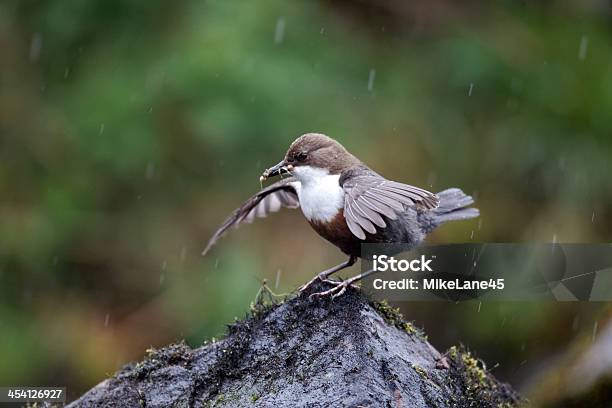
(276, 170)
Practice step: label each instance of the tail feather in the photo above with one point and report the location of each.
(457, 215)
(453, 207)
(452, 199)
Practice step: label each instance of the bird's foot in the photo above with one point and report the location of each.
(338, 289)
(326, 273)
(319, 278)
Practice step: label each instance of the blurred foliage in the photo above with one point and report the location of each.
(128, 131)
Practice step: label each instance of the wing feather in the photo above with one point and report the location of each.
(378, 206)
(398, 198)
(388, 201)
(373, 216)
(420, 196)
(361, 220)
(370, 197)
(355, 229)
(271, 199)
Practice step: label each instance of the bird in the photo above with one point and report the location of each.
(348, 204)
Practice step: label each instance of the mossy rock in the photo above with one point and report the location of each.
(346, 352)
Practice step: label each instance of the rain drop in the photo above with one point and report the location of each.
(277, 281)
(575, 323)
(279, 32)
(431, 179)
(35, 47)
(584, 47)
(150, 171)
(371, 78)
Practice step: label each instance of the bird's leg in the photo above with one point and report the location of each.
(340, 287)
(325, 274)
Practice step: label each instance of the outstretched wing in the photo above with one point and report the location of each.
(280, 194)
(369, 196)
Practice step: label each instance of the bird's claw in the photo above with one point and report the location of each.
(338, 289)
(313, 280)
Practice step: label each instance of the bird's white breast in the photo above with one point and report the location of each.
(320, 193)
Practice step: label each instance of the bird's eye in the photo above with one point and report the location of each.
(301, 156)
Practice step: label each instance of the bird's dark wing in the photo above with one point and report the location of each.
(369, 196)
(268, 200)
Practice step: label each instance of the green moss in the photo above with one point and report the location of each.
(219, 400)
(174, 354)
(420, 370)
(480, 386)
(259, 310)
(394, 317)
(265, 300)
(141, 399)
(474, 369)
(254, 397)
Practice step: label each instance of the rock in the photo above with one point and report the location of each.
(348, 352)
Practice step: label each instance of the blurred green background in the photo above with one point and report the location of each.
(130, 129)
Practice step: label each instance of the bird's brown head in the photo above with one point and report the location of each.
(313, 151)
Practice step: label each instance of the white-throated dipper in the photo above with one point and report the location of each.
(348, 204)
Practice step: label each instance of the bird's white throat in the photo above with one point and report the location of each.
(320, 193)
